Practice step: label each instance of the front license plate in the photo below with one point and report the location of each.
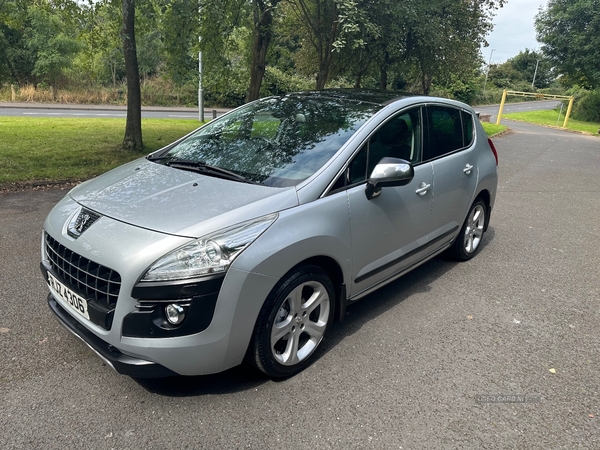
(75, 301)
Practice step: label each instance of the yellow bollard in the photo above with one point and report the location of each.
(568, 112)
(501, 107)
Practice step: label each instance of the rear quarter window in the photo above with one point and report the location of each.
(467, 120)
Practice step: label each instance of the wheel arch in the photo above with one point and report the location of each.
(485, 196)
(335, 274)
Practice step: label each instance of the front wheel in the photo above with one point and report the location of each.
(292, 322)
(468, 241)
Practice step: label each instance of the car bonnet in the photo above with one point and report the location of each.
(179, 202)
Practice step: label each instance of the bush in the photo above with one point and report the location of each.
(492, 96)
(227, 88)
(587, 106)
(161, 91)
(277, 82)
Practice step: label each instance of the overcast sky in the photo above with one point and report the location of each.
(514, 30)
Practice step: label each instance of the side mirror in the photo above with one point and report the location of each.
(389, 172)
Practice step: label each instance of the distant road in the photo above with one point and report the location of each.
(517, 107)
(98, 111)
(159, 112)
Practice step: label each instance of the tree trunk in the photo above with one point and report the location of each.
(326, 55)
(133, 127)
(383, 78)
(426, 83)
(322, 75)
(365, 58)
(383, 71)
(358, 80)
(263, 32)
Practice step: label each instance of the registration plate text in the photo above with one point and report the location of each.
(75, 301)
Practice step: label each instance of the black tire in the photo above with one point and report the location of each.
(299, 322)
(469, 239)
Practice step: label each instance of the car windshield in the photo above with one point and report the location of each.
(277, 141)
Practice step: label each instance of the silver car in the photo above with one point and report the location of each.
(247, 238)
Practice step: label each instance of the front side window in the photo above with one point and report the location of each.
(399, 137)
(274, 142)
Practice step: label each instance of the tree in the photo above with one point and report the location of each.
(37, 41)
(16, 60)
(505, 76)
(133, 126)
(47, 40)
(445, 36)
(330, 26)
(532, 64)
(383, 36)
(570, 33)
(263, 33)
(179, 29)
(226, 30)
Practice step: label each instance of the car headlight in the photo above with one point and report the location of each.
(210, 254)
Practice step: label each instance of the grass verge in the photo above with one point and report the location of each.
(46, 150)
(491, 129)
(53, 149)
(551, 118)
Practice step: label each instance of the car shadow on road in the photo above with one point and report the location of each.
(237, 379)
(243, 378)
(370, 307)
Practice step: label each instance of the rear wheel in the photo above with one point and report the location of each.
(293, 322)
(468, 241)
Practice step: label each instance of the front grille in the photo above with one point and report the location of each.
(91, 279)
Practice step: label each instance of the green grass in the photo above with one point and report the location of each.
(34, 150)
(550, 118)
(491, 129)
(53, 149)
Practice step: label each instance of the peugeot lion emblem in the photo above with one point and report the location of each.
(81, 221)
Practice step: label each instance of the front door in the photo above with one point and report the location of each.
(389, 231)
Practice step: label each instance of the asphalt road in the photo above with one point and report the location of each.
(88, 111)
(492, 110)
(404, 370)
(102, 111)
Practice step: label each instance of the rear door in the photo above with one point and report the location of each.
(450, 147)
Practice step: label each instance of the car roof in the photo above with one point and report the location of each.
(355, 95)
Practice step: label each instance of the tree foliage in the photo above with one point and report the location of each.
(49, 43)
(570, 33)
(250, 47)
(179, 31)
(444, 37)
(36, 39)
(518, 72)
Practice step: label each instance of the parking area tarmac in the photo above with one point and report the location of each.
(502, 351)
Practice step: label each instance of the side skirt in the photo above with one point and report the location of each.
(397, 275)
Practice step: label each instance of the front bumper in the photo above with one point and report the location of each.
(124, 364)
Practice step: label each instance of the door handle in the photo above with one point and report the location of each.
(468, 169)
(423, 188)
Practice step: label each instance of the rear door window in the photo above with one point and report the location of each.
(447, 132)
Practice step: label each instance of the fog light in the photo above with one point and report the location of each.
(175, 314)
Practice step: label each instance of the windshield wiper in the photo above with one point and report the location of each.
(158, 158)
(205, 169)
